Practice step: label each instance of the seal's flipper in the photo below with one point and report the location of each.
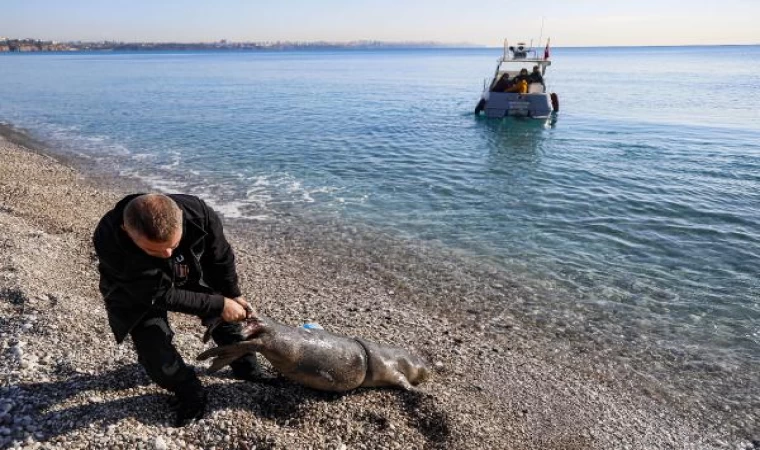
(228, 353)
(220, 362)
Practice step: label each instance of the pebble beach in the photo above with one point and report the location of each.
(500, 380)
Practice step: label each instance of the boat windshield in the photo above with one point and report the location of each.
(513, 68)
(512, 65)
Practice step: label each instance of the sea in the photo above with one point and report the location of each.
(639, 198)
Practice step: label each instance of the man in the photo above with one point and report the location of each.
(502, 84)
(523, 75)
(160, 253)
(520, 86)
(519, 83)
(536, 77)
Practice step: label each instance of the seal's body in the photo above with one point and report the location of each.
(322, 360)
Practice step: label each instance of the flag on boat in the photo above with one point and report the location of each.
(546, 50)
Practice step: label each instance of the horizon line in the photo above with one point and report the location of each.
(376, 42)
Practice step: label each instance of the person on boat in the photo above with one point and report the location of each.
(536, 77)
(159, 253)
(520, 83)
(523, 75)
(502, 84)
(520, 87)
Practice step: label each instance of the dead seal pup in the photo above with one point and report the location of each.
(322, 360)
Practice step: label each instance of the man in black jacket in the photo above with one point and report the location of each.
(160, 253)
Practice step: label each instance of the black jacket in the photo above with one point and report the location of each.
(132, 282)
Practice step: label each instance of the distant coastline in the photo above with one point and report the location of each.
(8, 45)
(34, 45)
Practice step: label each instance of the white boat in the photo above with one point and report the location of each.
(506, 95)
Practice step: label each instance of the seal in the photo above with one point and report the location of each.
(320, 359)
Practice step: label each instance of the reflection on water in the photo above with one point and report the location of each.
(513, 155)
(513, 135)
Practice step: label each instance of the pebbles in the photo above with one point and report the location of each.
(160, 444)
(65, 384)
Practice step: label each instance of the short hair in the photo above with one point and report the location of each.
(155, 217)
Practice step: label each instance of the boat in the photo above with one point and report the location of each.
(506, 95)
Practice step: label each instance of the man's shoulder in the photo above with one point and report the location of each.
(106, 228)
(185, 198)
(190, 203)
(106, 240)
(195, 209)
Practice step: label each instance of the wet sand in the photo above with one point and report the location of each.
(501, 379)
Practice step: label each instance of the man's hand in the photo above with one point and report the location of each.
(233, 310)
(250, 312)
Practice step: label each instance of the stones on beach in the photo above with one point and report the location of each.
(160, 444)
(17, 350)
(5, 407)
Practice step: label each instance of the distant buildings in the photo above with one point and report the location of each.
(33, 45)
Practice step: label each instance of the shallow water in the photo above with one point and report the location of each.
(640, 198)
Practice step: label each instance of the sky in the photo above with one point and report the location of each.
(483, 22)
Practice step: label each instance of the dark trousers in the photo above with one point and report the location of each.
(152, 338)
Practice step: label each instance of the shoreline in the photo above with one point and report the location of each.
(503, 382)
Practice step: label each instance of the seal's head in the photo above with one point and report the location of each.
(249, 329)
(252, 327)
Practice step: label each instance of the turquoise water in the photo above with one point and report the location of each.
(640, 198)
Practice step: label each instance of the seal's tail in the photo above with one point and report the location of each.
(226, 354)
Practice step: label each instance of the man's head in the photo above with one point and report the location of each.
(154, 223)
(535, 69)
(523, 71)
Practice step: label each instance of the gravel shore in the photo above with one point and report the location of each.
(500, 382)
